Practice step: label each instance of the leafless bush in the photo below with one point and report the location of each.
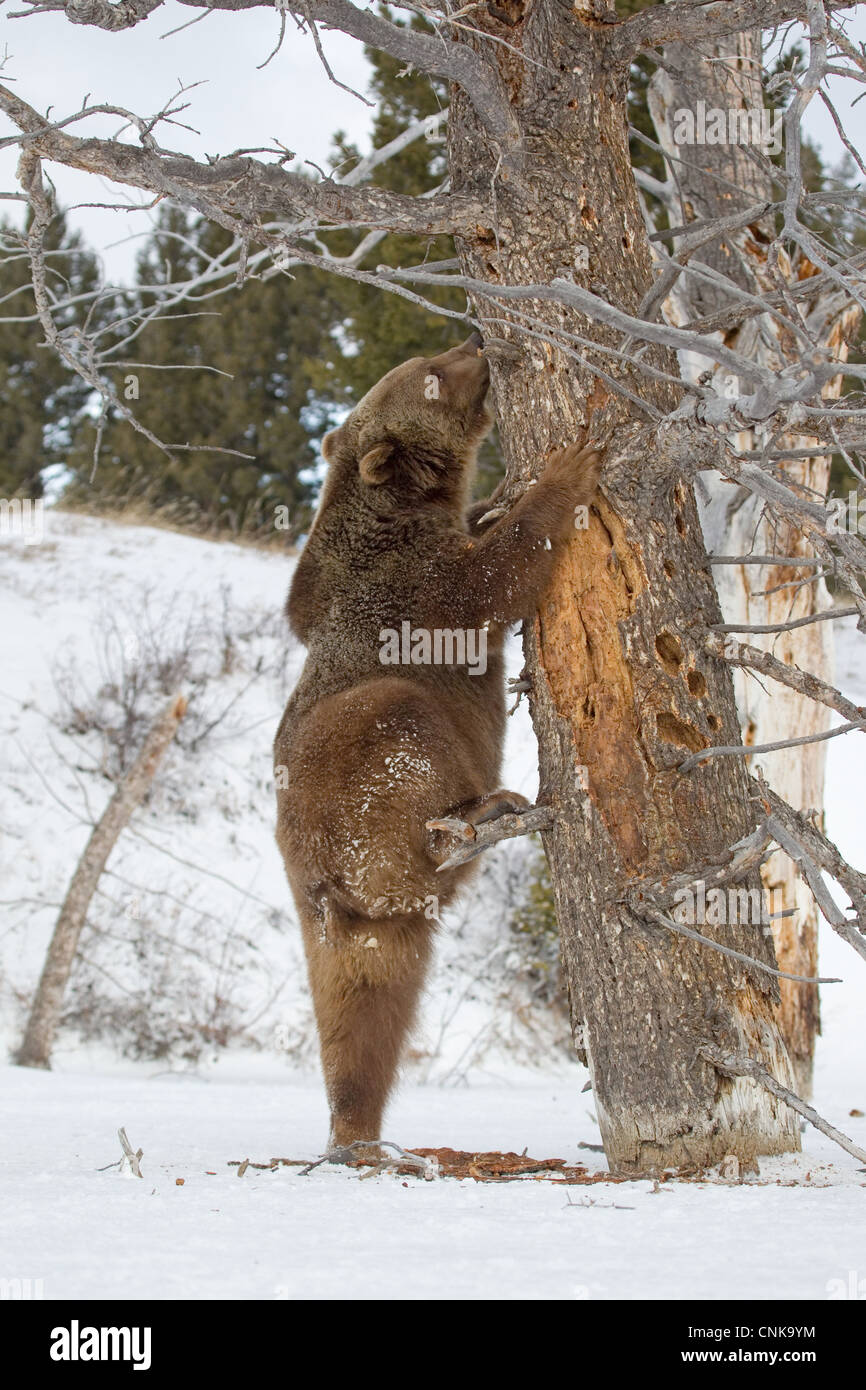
(141, 655)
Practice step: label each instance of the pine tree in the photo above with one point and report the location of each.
(40, 400)
(265, 341)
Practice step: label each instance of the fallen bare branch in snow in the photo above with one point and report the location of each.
(131, 1161)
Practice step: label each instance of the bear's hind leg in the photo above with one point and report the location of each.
(366, 985)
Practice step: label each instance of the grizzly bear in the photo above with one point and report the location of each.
(402, 595)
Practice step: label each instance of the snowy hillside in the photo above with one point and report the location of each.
(189, 1023)
(192, 938)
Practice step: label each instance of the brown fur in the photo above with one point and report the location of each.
(368, 753)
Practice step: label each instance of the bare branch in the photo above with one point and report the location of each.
(753, 658)
(686, 20)
(813, 845)
(598, 311)
(792, 560)
(99, 13)
(348, 1153)
(35, 1049)
(812, 874)
(740, 750)
(243, 187)
(692, 935)
(431, 53)
(743, 857)
(131, 1157)
(477, 838)
(70, 344)
(736, 1064)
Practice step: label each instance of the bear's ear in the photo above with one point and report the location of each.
(329, 445)
(377, 465)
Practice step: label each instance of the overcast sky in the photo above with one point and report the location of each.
(55, 63)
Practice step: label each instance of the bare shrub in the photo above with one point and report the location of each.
(142, 654)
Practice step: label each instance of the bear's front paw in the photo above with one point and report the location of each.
(579, 466)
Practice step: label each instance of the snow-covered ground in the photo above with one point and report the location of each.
(195, 930)
(276, 1234)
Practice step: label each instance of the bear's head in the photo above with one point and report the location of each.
(417, 431)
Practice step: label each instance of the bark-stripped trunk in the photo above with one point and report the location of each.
(36, 1047)
(714, 180)
(622, 689)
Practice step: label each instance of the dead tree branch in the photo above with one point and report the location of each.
(692, 935)
(754, 659)
(742, 858)
(477, 838)
(428, 52)
(733, 1064)
(238, 185)
(35, 1049)
(828, 616)
(131, 1157)
(740, 750)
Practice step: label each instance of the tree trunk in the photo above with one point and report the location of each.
(622, 687)
(714, 180)
(35, 1050)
